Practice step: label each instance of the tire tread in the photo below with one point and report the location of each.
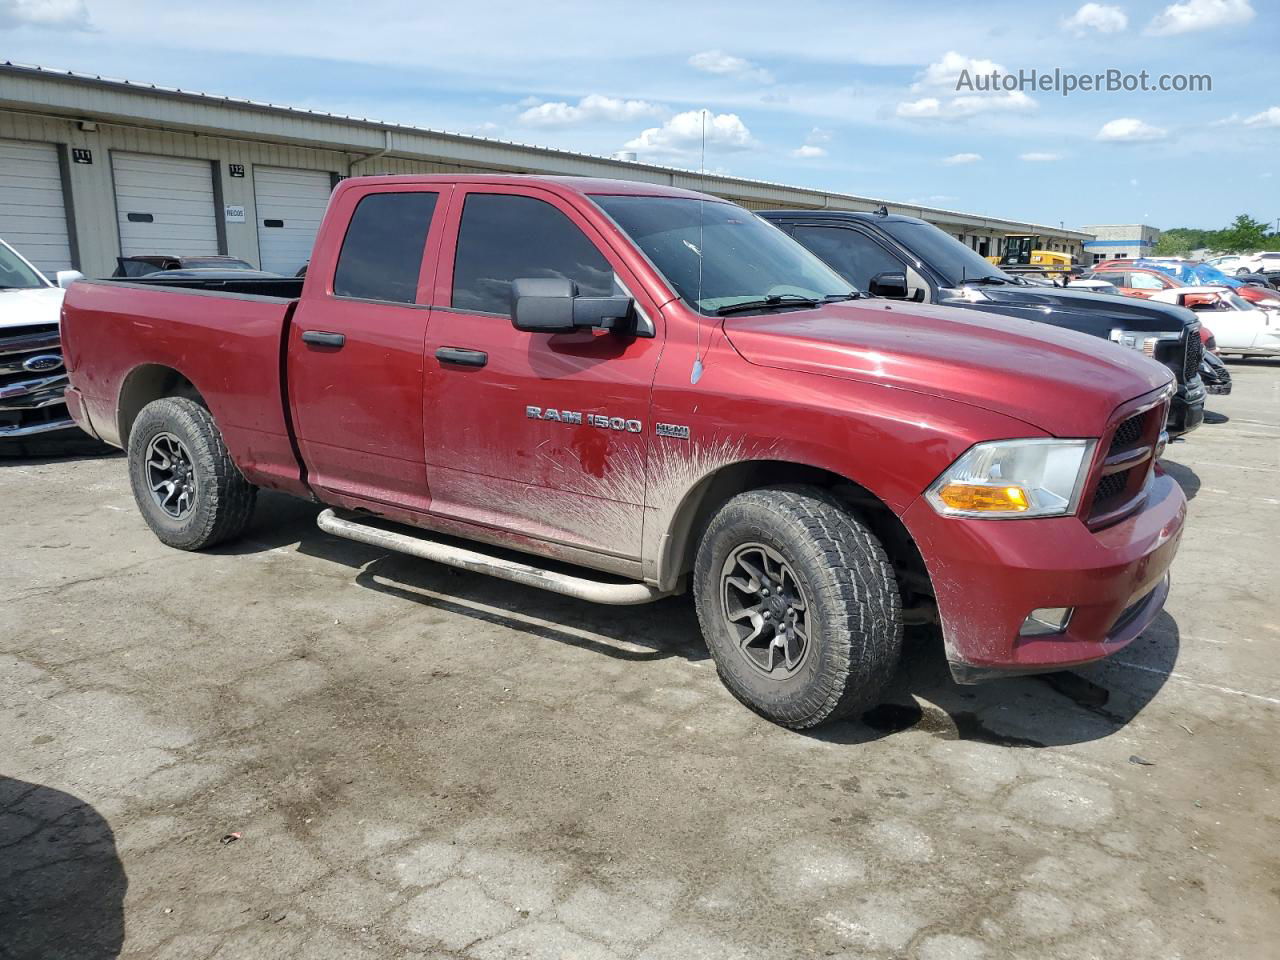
(856, 579)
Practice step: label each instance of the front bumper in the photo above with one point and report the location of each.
(1186, 411)
(988, 575)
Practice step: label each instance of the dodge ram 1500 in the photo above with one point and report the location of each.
(663, 388)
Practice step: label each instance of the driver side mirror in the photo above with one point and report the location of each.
(65, 278)
(552, 305)
(891, 284)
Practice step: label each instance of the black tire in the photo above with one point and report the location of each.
(223, 499)
(850, 594)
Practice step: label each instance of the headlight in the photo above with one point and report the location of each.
(1005, 479)
(1142, 340)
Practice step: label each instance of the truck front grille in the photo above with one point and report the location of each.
(1122, 477)
(1194, 353)
(1126, 435)
(32, 375)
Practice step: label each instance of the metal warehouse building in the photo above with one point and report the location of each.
(92, 169)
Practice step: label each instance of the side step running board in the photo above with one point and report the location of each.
(562, 583)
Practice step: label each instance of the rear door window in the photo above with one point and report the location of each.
(505, 237)
(382, 252)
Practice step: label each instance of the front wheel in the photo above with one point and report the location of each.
(799, 605)
(186, 485)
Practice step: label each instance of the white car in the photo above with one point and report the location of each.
(32, 376)
(1095, 286)
(1239, 327)
(1246, 262)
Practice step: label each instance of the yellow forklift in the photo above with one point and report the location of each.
(1028, 251)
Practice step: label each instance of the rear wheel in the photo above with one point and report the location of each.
(799, 605)
(184, 481)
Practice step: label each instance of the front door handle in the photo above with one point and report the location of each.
(462, 356)
(322, 339)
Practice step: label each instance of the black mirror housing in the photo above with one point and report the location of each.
(890, 284)
(552, 305)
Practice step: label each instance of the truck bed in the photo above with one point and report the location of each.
(124, 337)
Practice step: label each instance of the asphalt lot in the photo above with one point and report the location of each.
(421, 763)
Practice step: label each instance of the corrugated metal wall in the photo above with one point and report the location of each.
(91, 192)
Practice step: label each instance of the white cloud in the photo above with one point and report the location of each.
(947, 71)
(811, 148)
(44, 13)
(1035, 157)
(682, 134)
(1130, 130)
(1200, 15)
(1096, 16)
(1267, 118)
(590, 109)
(918, 109)
(958, 108)
(939, 79)
(719, 62)
(958, 159)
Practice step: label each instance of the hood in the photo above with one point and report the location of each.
(1062, 382)
(1131, 313)
(19, 308)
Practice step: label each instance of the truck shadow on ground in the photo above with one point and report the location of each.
(1042, 710)
(1037, 711)
(1186, 478)
(653, 631)
(62, 884)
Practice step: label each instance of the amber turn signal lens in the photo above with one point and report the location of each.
(977, 496)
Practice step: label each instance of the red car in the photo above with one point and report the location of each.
(658, 386)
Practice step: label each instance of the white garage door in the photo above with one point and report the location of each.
(164, 205)
(33, 216)
(290, 207)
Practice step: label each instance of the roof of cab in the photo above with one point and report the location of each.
(581, 185)
(838, 215)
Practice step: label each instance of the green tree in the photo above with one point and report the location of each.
(1243, 236)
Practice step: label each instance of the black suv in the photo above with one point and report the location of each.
(890, 255)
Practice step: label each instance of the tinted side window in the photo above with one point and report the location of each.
(504, 237)
(853, 255)
(382, 252)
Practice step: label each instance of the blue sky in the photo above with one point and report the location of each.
(846, 96)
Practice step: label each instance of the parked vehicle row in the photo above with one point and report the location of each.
(662, 387)
(1245, 318)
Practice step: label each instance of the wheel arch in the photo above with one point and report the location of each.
(145, 383)
(680, 540)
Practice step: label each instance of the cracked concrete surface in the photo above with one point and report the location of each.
(428, 764)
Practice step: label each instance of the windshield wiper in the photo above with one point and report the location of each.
(835, 297)
(772, 302)
(970, 280)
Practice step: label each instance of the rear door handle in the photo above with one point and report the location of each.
(322, 339)
(462, 356)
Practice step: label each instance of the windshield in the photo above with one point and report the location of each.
(1192, 274)
(948, 256)
(715, 255)
(16, 275)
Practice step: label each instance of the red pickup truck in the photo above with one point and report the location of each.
(661, 387)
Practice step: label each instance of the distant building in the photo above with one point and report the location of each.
(1119, 241)
(93, 169)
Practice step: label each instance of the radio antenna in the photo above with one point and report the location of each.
(696, 374)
